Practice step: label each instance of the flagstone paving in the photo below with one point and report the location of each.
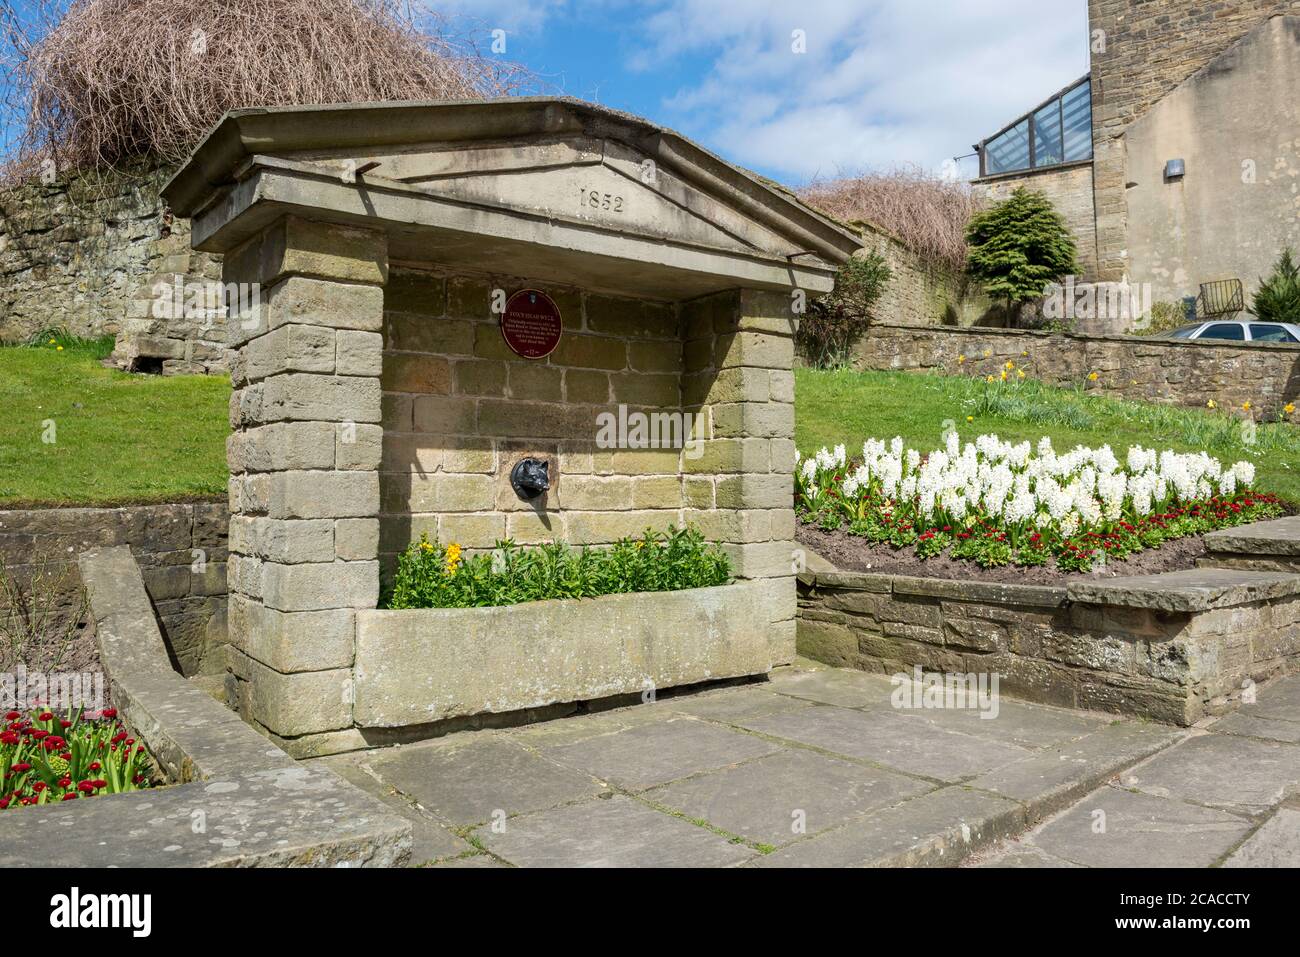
(814, 767)
(1226, 794)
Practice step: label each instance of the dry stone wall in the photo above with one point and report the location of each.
(181, 550)
(1175, 372)
(98, 254)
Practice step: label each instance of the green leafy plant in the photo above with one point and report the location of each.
(1019, 246)
(1278, 296)
(46, 758)
(1165, 317)
(832, 324)
(430, 575)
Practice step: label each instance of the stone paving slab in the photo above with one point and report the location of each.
(779, 798)
(721, 778)
(1233, 773)
(1255, 726)
(473, 781)
(1279, 701)
(1140, 830)
(1020, 855)
(1052, 779)
(431, 840)
(651, 754)
(614, 832)
(902, 743)
(1275, 844)
(1021, 724)
(734, 704)
(840, 687)
(936, 829)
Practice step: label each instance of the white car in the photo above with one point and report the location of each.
(1232, 330)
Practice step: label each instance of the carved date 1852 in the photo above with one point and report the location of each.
(595, 199)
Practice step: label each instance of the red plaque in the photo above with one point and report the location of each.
(531, 324)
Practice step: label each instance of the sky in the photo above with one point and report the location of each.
(797, 90)
(879, 82)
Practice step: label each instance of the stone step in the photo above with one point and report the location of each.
(1193, 590)
(1261, 546)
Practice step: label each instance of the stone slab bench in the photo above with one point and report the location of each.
(240, 801)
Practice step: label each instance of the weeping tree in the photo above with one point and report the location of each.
(1018, 247)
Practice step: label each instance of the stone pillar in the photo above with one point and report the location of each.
(739, 358)
(304, 460)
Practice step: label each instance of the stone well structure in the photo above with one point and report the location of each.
(376, 398)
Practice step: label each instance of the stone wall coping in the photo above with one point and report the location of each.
(1280, 536)
(1199, 589)
(1193, 590)
(878, 327)
(956, 589)
(259, 807)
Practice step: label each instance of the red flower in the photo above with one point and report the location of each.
(38, 787)
(70, 796)
(45, 716)
(108, 713)
(86, 786)
(65, 782)
(99, 783)
(95, 765)
(8, 737)
(12, 715)
(64, 723)
(20, 767)
(4, 803)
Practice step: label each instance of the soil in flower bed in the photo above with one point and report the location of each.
(855, 554)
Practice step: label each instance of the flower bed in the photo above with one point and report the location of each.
(998, 504)
(430, 575)
(45, 758)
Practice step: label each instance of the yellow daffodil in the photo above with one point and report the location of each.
(58, 348)
(987, 353)
(961, 360)
(1093, 376)
(1289, 408)
(1010, 365)
(970, 418)
(426, 547)
(51, 342)
(1004, 375)
(989, 379)
(1020, 373)
(1245, 406)
(1211, 404)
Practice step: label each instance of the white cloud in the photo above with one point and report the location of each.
(882, 82)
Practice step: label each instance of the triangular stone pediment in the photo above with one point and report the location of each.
(600, 182)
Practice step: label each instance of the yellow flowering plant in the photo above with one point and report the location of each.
(430, 575)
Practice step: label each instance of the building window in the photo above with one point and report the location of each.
(1058, 132)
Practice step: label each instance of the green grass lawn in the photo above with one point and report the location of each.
(849, 407)
(123, 438)
(117, 438)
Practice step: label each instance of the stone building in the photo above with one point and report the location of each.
(378, 395)
(1176, 160)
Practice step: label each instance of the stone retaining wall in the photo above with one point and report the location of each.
(1174, 372)
(181, 550)
(1168, 647)
(921, 292)
(99, 254)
